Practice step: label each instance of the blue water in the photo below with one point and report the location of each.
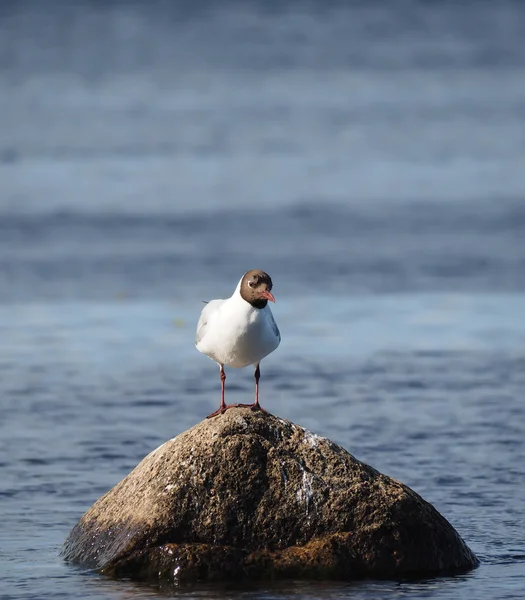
(368, 156)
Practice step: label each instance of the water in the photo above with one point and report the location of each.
(370, 157)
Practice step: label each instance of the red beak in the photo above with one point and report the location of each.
(268, 295)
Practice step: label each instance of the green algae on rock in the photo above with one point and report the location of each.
(247, 495)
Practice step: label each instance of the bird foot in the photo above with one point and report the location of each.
(252, 407)
(221, 410)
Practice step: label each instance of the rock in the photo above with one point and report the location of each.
(249, 495)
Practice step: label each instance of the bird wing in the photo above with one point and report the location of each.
(207, 312)
(274, 327)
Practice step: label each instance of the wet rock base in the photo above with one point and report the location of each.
(249, 496)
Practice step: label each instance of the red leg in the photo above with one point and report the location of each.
(256, 405)
(223, 381)
(257, 376)
(222, 408)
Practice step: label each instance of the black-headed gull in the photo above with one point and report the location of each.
(240, 331)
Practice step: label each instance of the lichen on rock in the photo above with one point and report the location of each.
(249, 495)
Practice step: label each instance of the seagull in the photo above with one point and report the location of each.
(240, 330)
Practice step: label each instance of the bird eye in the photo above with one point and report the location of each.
(251, 284)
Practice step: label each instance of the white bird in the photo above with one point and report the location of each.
(240, 330)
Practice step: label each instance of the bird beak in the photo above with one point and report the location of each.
(268, 295)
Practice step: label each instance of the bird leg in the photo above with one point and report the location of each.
(257, 376)
(222, 408)
(223, 381)
(255, 405)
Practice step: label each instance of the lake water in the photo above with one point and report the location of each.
(369, 157)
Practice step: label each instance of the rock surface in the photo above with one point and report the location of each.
(249, 495)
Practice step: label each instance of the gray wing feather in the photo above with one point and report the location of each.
(207, 311)
(274, 327)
